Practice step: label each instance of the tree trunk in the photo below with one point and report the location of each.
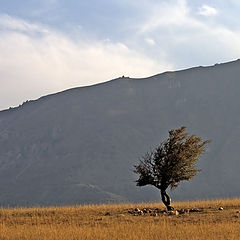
(166, 200)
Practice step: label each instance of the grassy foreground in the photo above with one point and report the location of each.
(115, 222)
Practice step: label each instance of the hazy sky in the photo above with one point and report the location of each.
(50, 45)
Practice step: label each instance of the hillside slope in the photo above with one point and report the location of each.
(80, 145)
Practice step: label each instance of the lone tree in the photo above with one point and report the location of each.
(171, 162)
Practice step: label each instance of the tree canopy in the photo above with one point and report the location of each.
(171, 162)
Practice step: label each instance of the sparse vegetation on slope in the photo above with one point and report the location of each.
(117, 222)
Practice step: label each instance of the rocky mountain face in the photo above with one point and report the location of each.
(79, 146)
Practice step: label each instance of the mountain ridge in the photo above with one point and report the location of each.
(52, 150)
(120, 78)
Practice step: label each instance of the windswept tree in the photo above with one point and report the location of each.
(171, 162)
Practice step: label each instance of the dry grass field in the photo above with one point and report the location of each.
(111, 222)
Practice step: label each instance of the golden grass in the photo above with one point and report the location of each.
(114, 222)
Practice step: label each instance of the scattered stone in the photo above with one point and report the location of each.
(163, 211)
(194, 210)
(238, 211)
(183, 211)
(140, 213)
(170, 213)
(154, 214)
(173, 212)
(220, 208)
(158, 211)
(145, 210)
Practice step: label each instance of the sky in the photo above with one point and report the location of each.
(47, 46)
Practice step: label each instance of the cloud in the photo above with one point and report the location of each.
(8, 23)
(206, 10)
(165, 14)
(150, 41)
(185, 39)
(36, 60)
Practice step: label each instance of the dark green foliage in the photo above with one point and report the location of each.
(173, 161)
